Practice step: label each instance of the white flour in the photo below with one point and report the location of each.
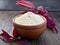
(29, 19)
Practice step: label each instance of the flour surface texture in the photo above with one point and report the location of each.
(29, 19)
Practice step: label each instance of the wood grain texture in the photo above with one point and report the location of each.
(47, 38)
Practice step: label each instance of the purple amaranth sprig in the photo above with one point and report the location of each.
(6, 37)
(50, 22)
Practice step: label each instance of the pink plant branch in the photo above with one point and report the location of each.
(50, 22)
(27, 4)
(5, 37)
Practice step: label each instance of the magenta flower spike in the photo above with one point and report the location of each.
(5, 37)
(50, 22)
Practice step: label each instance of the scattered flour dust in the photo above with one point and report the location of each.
(29, 19)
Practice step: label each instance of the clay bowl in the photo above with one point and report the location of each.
(32, 32)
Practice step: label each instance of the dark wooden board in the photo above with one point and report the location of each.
(47, 38)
